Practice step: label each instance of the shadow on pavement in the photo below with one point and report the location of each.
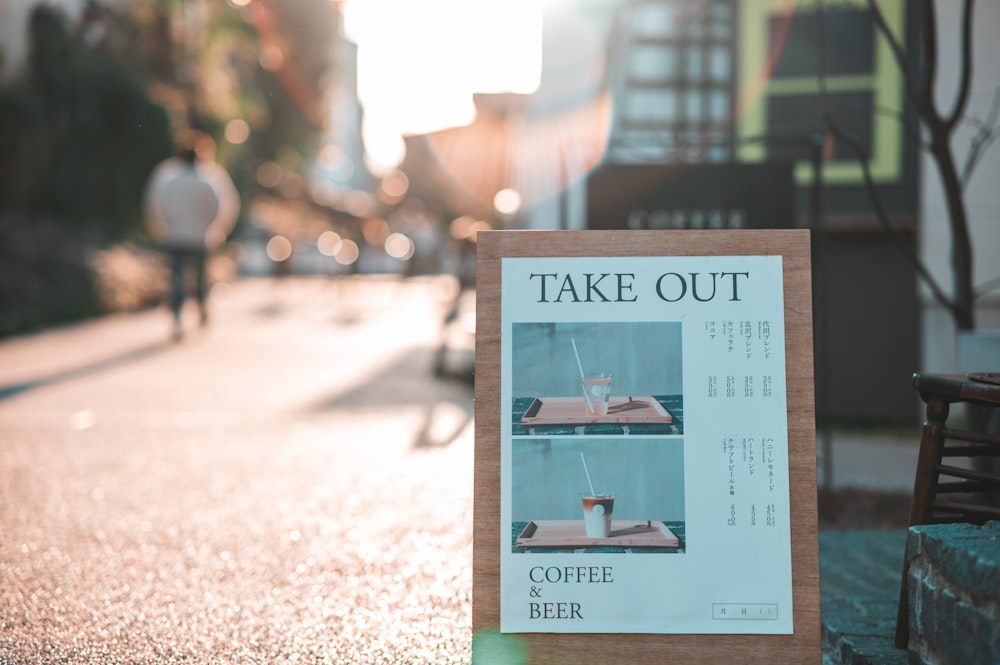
(412, 381)
(140, 353)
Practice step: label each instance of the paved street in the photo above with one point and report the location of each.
(290, 485)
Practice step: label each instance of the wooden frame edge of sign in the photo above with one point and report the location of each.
(801, 647)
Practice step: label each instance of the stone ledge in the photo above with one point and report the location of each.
(954, 592)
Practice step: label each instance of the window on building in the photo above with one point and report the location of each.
(675, 73)
(781, 96)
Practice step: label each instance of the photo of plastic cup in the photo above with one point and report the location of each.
(597, 391)
(597, 510)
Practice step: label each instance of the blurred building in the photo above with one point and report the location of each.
(706, 89)
(14, 29)
(719, 82)
(341, 159)
(696, 92)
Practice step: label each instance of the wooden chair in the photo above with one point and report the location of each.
(970, 495)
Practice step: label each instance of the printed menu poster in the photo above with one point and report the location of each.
(644, 446)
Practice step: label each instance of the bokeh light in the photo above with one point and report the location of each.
(461, 227)
(478, 226)
(399, 246)
(466, 227)
(349, 252)
(334, 159)
(507, 201)
(269, 174)
(394, 186)
(491, 647)
(279, 248)
(375, 230)
(271, 57)
(237, 131)
(329, 243)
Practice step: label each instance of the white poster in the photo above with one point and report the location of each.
(644, 446)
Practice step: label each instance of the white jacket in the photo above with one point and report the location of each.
(192, 208)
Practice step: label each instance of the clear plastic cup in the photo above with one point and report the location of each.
(597, 390)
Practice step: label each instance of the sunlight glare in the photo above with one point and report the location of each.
(419, 63)
(84, 419)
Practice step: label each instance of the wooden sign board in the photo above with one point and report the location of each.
(708, 550)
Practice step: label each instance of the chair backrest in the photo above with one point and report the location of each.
(973, 486)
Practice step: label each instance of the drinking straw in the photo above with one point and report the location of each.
(584, 460)
(577, 354)
(590, 405)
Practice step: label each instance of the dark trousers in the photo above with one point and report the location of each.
(183, 261)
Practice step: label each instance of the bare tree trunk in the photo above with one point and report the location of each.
(963, 299)
(920, 91)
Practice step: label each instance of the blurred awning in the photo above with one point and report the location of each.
(512, 143)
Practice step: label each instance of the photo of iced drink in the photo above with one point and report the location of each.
(597, 510)
(597, 391)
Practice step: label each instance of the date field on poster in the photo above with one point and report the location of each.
(745, 611)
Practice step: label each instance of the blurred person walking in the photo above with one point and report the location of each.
(191, 206)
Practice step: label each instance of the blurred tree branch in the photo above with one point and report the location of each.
(920, 78)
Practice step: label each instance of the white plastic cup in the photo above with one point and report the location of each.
(597, 512)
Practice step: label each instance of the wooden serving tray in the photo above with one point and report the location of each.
(571, 533)
(573, 410)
